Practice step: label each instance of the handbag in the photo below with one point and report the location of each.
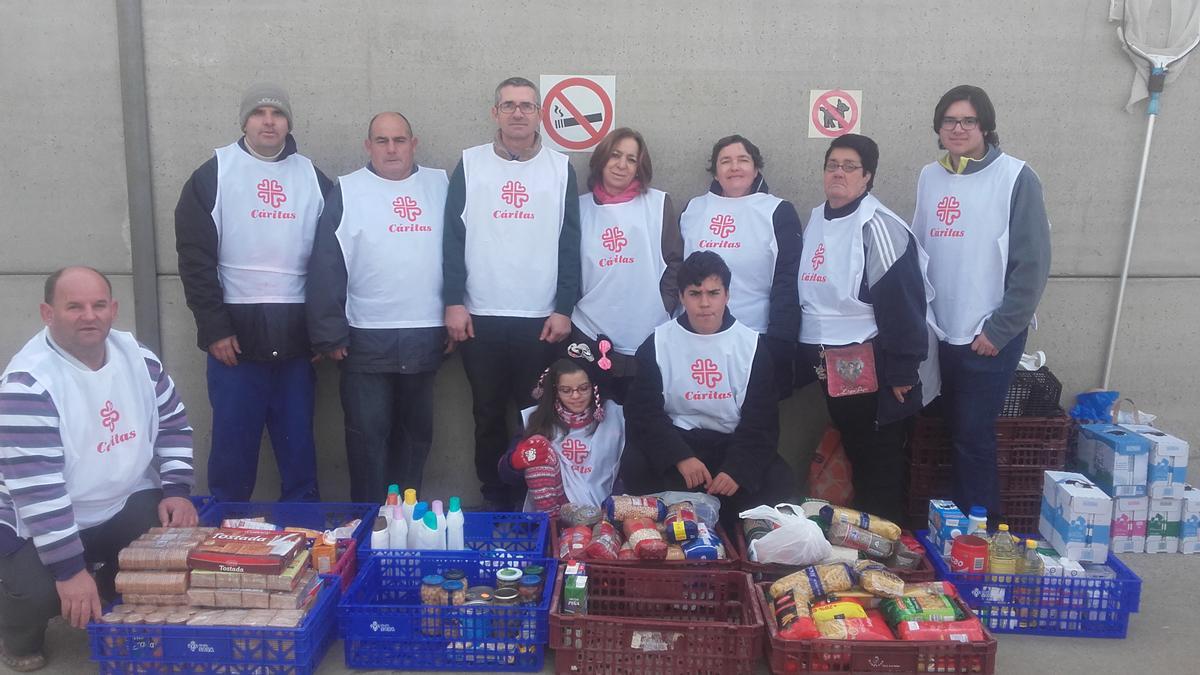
(850, 370)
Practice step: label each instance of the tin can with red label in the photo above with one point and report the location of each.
(969, 554)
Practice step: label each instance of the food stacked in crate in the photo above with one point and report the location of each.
(664, 529)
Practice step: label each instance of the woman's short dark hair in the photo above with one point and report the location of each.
(544, 419)
(604, 150)
(979, 100)
(868, 152)
(755, 153)
(700, 266)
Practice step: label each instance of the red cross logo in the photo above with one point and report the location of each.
(704, 371)
(109, 416)
(948, 211)
(614, 239)
(575, 450)
(271, 192)
(818, 258)
(406, 207)
(514, 193)
(722, 225)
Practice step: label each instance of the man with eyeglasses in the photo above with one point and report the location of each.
(511, 269)
(981, 218)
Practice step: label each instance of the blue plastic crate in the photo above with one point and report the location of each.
(384, 625)
(201, 502)
(483, 531)
(1057, 606)
(219, 649)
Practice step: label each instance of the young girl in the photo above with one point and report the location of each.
(585, 435)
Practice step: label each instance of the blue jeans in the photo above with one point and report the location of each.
(244, 399)
(973, 391)
(389, 429)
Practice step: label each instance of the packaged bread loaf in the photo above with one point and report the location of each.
(816, 580)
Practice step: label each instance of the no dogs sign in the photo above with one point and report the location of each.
(834, 112)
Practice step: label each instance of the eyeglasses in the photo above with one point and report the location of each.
(582, 390)
(848, 167)
(509, 107)
(967, 123)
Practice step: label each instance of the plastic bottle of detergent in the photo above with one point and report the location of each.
(441, 523)
(419, 511)
(977, 522)
(455, 522)
(397, 528)
(427, 532)
(1003, 557)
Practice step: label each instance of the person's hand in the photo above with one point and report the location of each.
(557, 327)
(723, 486)
(899, 392)
(226, 350)
(694, 472)
(458, 323)
(983, 346)
(337, 354)
(80, 599)
(177, 512)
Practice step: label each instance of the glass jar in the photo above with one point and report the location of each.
(480, 593)
(530, 589)
(506, 615)
(455, 593)
(433, 597)
(509, 577)
(456, 575)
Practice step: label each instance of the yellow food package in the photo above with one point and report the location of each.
(827, 611)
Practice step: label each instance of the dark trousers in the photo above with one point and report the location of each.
(389, 430)
(973, 391)
(503, 362)
(28, 596)
(247, 397)
(877, 455)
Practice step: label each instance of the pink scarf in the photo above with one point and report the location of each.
(603, 197)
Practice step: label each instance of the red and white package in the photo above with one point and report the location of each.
(606, 543)
(645, 538)
(573, 541)
(967, 630)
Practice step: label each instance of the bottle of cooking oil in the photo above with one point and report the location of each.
(1033, 562)
(1002, 552)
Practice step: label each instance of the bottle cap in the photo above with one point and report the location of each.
(1030, 544)
(437, 507)
(978, 512)
(430, 519)
(380, 523)
(455, 504)
(433, 579)
(420, 510)
(410, 496)
(1003, 527)
(393, 489)
(452, 585)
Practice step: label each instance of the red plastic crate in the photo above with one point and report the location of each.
(1020, 441)
(874, 656)
(774, 571)
(730, 561)
(664, 621)
(930, 481)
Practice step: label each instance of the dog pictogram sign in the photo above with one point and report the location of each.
(577, 111)
(834, 112)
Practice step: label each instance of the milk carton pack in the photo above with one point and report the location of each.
(1076, 516)
(1129, 524)
(1162, 525)
(946, 522)
(1189, 521)
(1115, 458)
(1166, 467)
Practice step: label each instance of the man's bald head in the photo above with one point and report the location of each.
(388, 115)
(53, 279)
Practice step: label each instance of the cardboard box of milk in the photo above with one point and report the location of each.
(1114, 458)
(1189, 521)
(1129, 524)
(946, 522)
(1162, 525)
(1166, 465)
(1076, 516)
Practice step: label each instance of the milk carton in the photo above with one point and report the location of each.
(1189, 525)
(1167, 462)
(1114, 458)
(946, 522)
(1076, 516)
(1162, 525)
(1129, 524)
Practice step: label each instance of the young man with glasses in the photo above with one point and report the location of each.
(511, 268)
(981, 218)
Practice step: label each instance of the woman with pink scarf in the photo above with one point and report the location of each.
(630, 248)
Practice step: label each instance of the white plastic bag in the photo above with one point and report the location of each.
(797, 540)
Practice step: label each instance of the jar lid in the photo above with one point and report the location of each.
(531, 580)
(481, 589)
(509, 574)
(476, 603)
(453, 585)
(433, 579)
(455, 575)
(505, 595)
(535, 570)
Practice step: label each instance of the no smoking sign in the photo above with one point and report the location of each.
(578, 111)
(834, 112)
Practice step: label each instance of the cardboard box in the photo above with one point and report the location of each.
(946, 522)
(1189, 521)
(1076, 516)
(1115, 458)
(1166, 468)
(575, 591)
(1129, 524)
(246, 552)
(1162, 525)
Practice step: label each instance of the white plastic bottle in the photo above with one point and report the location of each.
(454, 526)
(379, 533)
(397, 528)
(407, 506)
(414, 528)
(441, 523)
(427, 532)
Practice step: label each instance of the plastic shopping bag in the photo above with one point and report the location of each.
(829, 475)
(796, 541)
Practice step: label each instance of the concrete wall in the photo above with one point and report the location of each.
(687, 73)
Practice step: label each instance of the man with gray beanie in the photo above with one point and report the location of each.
(244, 229)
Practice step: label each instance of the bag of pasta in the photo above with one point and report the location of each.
(793, 617)
(877, 580)
(816, 580)
(881, 526)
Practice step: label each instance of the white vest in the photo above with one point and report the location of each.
(513, 214)
(391, 239)
(108, 422)
(705, 376)
(962, 223)
(742, 231)
(266, 217)
(622, 261)
(588, 458)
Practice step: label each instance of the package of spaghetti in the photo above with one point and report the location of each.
(624, 507)
(573, 541)
(921, 608)
(605, 544)
(966, 630)
(930, 588)
(816, 580)
(645, 538)
(794, 618)
(571, 514)
(881, 526)
(681, 523)
(877, 580)
(873, 627)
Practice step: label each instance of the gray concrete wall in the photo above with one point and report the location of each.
(687, 73)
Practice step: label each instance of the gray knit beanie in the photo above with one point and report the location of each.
(265, 93)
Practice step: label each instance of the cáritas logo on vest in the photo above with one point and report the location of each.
(721, 225)
(948, 211)
(515, 195)
(614, 239)
(706, 373)
(408, 209)
(271, 192)
(818, 259)
(109, 416)
(577, 451)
